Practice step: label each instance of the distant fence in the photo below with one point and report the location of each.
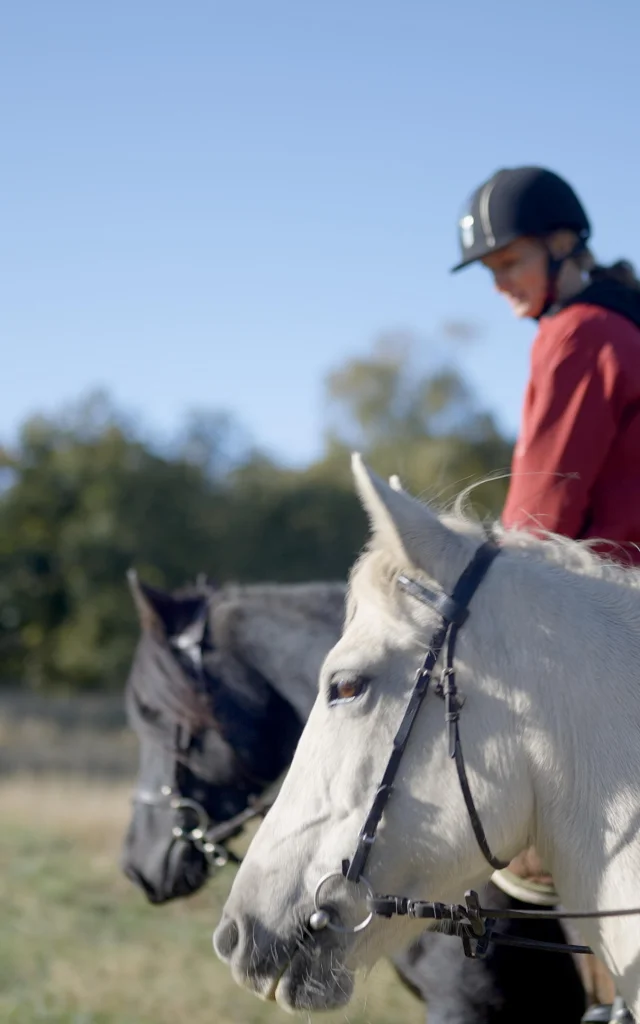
(79, 735)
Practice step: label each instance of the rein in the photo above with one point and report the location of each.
(471, 922)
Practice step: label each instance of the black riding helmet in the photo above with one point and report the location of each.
(516, 203)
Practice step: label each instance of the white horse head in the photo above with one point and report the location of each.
(547, 663)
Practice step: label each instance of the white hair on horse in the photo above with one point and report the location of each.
(378, 567)
(548, 665)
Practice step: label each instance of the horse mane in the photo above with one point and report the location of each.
(595, 557)
(581, 557)
(377, 569)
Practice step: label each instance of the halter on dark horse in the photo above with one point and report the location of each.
(207, 726)
(207, 836)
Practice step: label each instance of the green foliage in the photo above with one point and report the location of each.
(424, 426)
(85, 501)
(85, 496)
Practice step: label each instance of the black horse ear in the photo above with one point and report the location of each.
(145, 599)
(180, 620)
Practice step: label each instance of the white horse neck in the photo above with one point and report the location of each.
(571, 672)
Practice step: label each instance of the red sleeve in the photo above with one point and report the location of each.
(567, 429)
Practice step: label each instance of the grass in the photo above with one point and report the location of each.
(80, 945)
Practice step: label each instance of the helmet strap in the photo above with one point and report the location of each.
(554, 267)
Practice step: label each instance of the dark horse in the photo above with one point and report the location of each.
(214, 732)
(221, 683)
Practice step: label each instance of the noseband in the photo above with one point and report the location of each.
(472, 923)
(207, 836)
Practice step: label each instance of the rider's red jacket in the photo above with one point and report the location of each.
(576, 465)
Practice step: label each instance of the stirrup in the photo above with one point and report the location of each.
(599, 1013)
(611, 1013)
(620, 1012)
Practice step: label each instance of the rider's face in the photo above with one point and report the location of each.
(520, 274)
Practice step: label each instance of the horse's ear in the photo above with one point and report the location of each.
(148, 616)
(181, 620)
(410, 530)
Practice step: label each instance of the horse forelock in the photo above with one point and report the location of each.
(159, 681)
(162, 680)
(373, 575)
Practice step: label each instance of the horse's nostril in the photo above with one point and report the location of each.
(225, 938)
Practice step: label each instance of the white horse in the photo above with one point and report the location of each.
(548, 663)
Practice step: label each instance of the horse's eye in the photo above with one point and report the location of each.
(344, 688)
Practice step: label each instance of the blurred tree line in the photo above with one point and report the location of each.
(84, 496)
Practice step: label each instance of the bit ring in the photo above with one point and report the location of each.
(321, 914)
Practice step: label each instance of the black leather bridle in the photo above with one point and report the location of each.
(209, 837)
(472, 922)
(453, 612)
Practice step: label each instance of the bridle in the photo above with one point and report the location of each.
(208, 837)
(471, 922)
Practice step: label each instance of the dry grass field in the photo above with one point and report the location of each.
(78, 943)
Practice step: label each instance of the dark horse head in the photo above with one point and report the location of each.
(213, 733)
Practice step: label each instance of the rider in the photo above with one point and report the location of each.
(576, 463)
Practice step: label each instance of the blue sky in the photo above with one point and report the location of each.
(214, 203)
